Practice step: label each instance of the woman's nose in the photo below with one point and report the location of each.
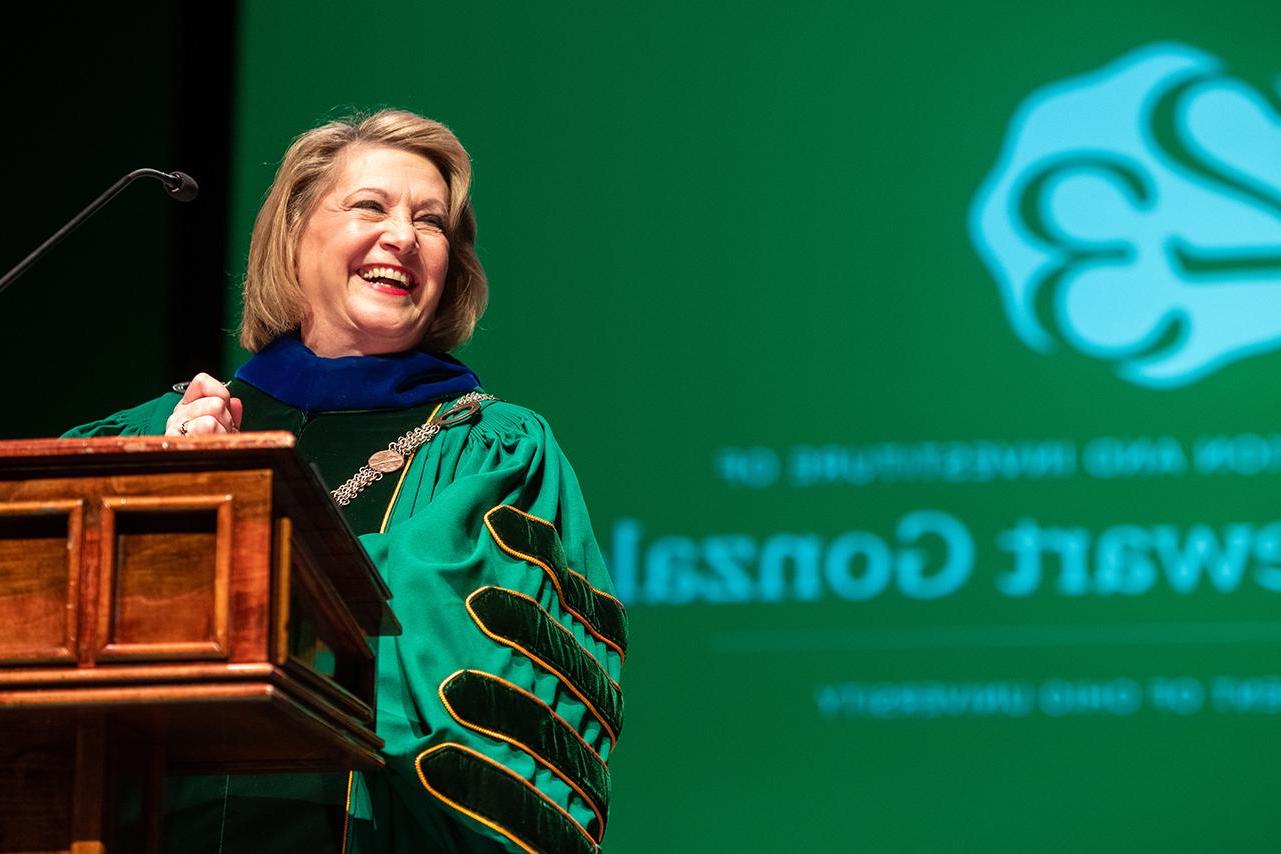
(399, 235)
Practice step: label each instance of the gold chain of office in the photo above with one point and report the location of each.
(397, 452)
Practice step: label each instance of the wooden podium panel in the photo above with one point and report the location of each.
(196, 605)
(40, 571)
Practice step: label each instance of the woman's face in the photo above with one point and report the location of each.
(373, 255)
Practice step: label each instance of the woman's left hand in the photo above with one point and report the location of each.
(206, 408)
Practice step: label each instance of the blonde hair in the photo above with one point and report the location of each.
(273, 298)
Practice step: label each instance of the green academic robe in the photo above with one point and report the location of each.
(499, 703)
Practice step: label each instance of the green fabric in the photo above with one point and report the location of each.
(147, 419)
(435, 553)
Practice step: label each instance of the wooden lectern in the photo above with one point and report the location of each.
(193, 605)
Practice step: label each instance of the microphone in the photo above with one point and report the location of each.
(178, 185)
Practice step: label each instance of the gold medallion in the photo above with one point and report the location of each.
(386, 461)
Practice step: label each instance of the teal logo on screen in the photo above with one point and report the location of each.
(1134, 216)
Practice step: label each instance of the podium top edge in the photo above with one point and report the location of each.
(264, 440)
(274, 449)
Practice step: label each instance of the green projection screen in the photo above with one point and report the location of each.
(917, 362)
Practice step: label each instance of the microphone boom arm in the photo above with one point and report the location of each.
(177, 184)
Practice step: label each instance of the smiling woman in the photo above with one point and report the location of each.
(391, 190)
(373, 257)
(499, 704)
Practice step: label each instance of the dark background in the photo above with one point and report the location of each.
(133, 301)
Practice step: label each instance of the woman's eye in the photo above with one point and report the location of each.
(368, 205)
(432, 221)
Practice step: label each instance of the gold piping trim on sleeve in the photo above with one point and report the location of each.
(346, 815)
(490, 823)
(538, 757)
(551, 574)
(382, 529)
(564, 680)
